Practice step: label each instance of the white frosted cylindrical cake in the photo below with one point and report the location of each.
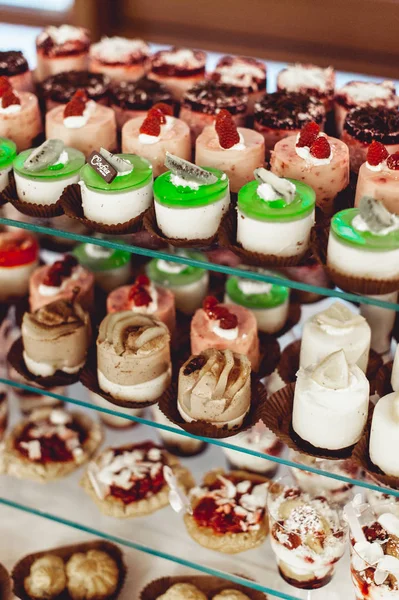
(395, 371)
(60, 49)
(120, 58)
(384, 438)
(381, 321)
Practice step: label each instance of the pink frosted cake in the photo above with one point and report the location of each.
(62, 49)
(122, 59)
(20, 119)
(309, 79)
(379, 177)
(14, 65)
(178, 68)
(244, 74)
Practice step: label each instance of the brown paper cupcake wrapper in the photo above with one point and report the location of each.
(361, 457)
(357, 285)
(151, 225)
(40, 211)
(22, 568)
(5, 584)
(16, 360)
(228, 239)
(71, 201)
(88, 378)
(210, 586)
(382, 380)
(168, 405)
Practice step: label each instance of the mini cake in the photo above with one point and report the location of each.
(275, 215)
(202, 102)
(258, 439)
(83, 124)
(19, 257)
(46, 577)
(330, 404)
(155, 135)
(63, 280)
(113, 420)
(243, 74)
(60, 88)
(225, 327)
(379, 177)
(128, 481)
(384, 437)
(190, 201)
(8, 152)
(14, 65)
(56, 337)
(50, 444)
(133, 357)
(309, 79)
(269, 302)
(178, 68)
(144, 297)
(126, 197)
(42, 173)
(182, 591)
(215, 387)
(278, 115)
(176, 443)
(395, 371)
(95, 572)
(370, 124)
(320, 161)
(360, 94)
(188, 284)
(364, 242)
(20, 118)
(236, 152)
(332, 329)
(111, 268)
(61, 49)
(381, 321)
(130, 99)
(229, 511)
(122, 59)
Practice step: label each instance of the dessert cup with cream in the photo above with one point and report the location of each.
(178, 68)
(122, 59)
(14, 66)
(130, 99)
(8, 152)
(19, 257)
(20, 119)
(379, 177)
(384, 444)
(63, 48)
(111, 268)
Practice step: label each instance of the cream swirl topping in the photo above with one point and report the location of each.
(131, 333)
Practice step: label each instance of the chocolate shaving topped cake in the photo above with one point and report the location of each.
(12, 62)
(139, 95)
(208, 97)
(60, 88)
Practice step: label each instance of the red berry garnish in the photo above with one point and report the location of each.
(209, 303)
(218, 312)
(5, 85)
(157, 114)
(74, 108)
(320, 148)
(166, 109)
(70, 261)
(376, 153)
(142, 280)
(393, 161)
(141, 298)
(375, 532)
(9, 99)
(226, 129)
(81, 95)
(151, 124)
(230, 321)
(308, 134)
(53, 279)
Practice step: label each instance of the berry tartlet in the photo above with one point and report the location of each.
(175, 443)
(133, 357)
(156, 134)
(370, 124)
(50, 444)
(281, 114)
(61, 49)
(190, 201)
(14, 65)
(41, 174)
(225, 327)
(122, 59)
(384, 446)
(244, 74)
(8, 152)
(178, 68)
(269, 302)
(111, 268)
(202, 102)
(320, 161)
(235, 151)
(19, 257)
(143, 297)
(379, 177)
(56, 337)
(83, 124)
(60, 88)
(229, 511)
(130, 99)
(63, 280)
(128, 481)
(309, 79)
(20, 119)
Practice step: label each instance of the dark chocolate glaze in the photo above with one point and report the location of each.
(12, 62)
(209, 97)
(139, 95)
(160, 67)
(288, 110)
(61, 87)
(368, 124)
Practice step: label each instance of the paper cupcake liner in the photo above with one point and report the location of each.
(16, 360)
(382, 380)
(30, 209)
(71, 201)
(151, 225)
(22, 568)
(361, 457)
(5, 584)
(168, 405)
(357, 285)
(210, 586)
(228, 239)
(88, 378)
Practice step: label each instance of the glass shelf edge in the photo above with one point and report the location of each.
(297, 285)
(215, 442)
(141, 548)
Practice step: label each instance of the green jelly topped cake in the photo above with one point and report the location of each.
(140, 175)
(172, 190)
(8, 152)
(349, 227)
(98, 258)
(170, 273)
(69, 162)
(256, 294)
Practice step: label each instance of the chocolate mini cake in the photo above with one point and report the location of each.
(131, 99)
(282, 113)
(60, 88)
(14, 65)
(179, 69)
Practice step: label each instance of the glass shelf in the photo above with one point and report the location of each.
(169, 255)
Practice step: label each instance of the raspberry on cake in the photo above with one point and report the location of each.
(60, 88)
(130, 99)
(20, 119)
(379, 177)
(244, 74)
(120, 58)
(19, 257)
(309, 79)
(178, 68)
(8, 152)
(62, 49)
(14, 65)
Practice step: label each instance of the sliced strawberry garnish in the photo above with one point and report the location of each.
(81, 95)
(142, 280)
(141, 298)
(320, 148)
(53, 279)
(5, 85)
(376, 153)
(9, 99)
(393, 161)
(151, 125)
(209, 304)
(74, 108)
(218, 312)
(166, 109)
(156, 114)
(308, 135)
(226, 129)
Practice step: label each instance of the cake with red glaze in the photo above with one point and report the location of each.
(60, 88)
(64, 279)
(146, 298)
(310, 80)
(130, 99)
(61, 49)
(379, 177)
(178, 68)
(20, 119)
(120, 58)
(14, 65)
(244, 74)
(19, 257)
(225, 327)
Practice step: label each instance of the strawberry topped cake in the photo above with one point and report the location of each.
(178, 68)
(244, 74)
(60, 88)
(379, 177)
(20, 119)
(19, 257)
(130, 99)
(83, 124)
(309, 79)
(235, 151)
(61, 49)
(122, 59)
(14, 65)
(156, 134)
